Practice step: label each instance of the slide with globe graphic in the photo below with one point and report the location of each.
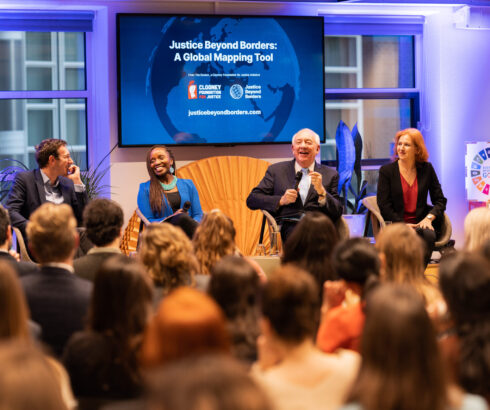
(219, 79)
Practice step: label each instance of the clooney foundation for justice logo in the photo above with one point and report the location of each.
(480, 171)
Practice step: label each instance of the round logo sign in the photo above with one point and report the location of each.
(236, 91)
(480, 171)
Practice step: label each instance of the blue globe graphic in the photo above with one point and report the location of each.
(168, 81)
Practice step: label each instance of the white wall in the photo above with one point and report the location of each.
(455, 89)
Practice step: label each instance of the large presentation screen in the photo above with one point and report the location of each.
(218, 79)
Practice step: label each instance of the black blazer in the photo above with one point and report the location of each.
(390, 194)
(22, 268)
(58, 300)
(27, 194)
(280, 177)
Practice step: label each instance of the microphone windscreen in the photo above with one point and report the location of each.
(187, 206)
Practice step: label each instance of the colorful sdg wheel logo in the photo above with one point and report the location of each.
(480, 171)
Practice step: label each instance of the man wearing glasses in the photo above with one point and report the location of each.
(57, 180)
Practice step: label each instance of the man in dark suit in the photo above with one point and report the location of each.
(103, 220)
(58, 299)
(316, 190)
(22, 268)
(57, 180)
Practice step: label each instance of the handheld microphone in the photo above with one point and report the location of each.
(297, 178)
(187, 206)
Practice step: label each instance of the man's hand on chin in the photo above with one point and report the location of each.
(74, 174)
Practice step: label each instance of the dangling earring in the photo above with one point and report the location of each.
(172, 170)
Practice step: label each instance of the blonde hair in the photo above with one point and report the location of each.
(214, 238)
(167, 253)
(28, 380)
(52, 232)
(13, 306)
(476, 228)
(403, 252)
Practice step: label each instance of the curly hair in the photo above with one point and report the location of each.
(214, 238)
(103, 219)
(167, 253)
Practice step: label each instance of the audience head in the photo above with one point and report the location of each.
(402, 253)
(400, 356)
(4, 227)
(52, 233)
(214, 382)
(421, 153)
(187, 323)
(28, 381)
(464, 279)
(235, 285)
(290, 303)
(477, 228)
(13, 306)
(167, 253)
(103, 220)
(121, 299)
(214, 238)
(355, 259)
(47, 148)
(310, 246)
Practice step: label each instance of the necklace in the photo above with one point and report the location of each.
(168, 187)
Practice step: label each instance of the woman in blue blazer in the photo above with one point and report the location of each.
(164, 196)
(404, 184)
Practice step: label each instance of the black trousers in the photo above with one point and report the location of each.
(429, 238)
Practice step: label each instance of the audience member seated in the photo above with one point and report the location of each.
(294, 373)
(102, 360)
(235, 285)
(57, 180)
(188, 323)
(290, 189)
(165, 197)
(401, 252)
(476, 228)
(214, 238)
(210, 382)
(29, 380)
(103, 220)
(168, 256)
(355, 261)
(465, 283)
(403, 186)
(401, 364)
(310, 246)
(15, 322)
(22, 268)
(58, 299)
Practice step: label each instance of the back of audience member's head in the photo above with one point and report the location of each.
(4, 224)
(310, 246)
(290, 302)
(464, 279)
(103, 220)
(187, 323)
(168, 255)
(13, 306)
(476, 228)
(400, 356)
(121, 299)
(214, 238)
(235, 285)
(52, 233)
(28, 381)
(355, 259)
(213, 382)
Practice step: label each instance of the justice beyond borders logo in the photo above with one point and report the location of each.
(478, 171)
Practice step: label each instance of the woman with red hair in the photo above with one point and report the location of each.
(404, 184)
(187, 323)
